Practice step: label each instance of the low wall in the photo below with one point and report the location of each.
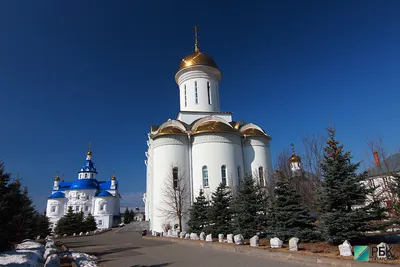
(298, 257)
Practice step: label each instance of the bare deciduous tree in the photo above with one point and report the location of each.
(305, 182)
(176, 196)
(312, 156)
(383, 178)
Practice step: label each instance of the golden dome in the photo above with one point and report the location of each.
(113, 177)
(169, 130)
(294, 158)
(197, 59)
(57, 178)
(89, 153)
(213, 127)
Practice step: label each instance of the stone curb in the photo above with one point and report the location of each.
(274, 255)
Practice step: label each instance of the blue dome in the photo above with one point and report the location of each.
(57, 195)
(84, 184)
(104, 194)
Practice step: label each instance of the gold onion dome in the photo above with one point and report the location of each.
(89, 153)
(197, 59)
(113, 178)
(294, 158)
(57, 178)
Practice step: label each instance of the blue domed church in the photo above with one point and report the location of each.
(87, 195)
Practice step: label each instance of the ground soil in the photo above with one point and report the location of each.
(326, 250)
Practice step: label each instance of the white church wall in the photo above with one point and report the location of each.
(103, 206)
(149, 187)
(257, 154)
(104, 221)
(168, 152)
(199, 76)
(215, 150)
(55, 207)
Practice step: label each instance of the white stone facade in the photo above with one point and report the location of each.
(204, 144)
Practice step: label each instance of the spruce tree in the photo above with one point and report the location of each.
(126, 216)
(68, 224)
(22, 223)
(289, 216)
(198, 219)
(131, 216)
(342, 195)
(90, 223)
(220, 211)
(42, 225)
(6, 208)
(249, 208)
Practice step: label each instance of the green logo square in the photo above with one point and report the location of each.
(361, 253)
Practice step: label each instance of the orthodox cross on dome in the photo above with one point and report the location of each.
(292, 145)
(196, 39)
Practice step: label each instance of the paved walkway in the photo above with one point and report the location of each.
(129, 249)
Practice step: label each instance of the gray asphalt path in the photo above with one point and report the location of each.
(129, 249)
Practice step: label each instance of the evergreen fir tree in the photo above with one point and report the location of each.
(341, 195)
(42, 225)
(198, 219)
(22, 224)
(6, 209)
(249, 208)
(396, 187)
(289, 216)
(68, 224)
(80, 221)
(131, 216)
(89, 223)
(220, 211)
(126, 216)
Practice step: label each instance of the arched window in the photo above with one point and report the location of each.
(195, 92)
(223, 174)
(261, 175)
(205, 176)
(85, 175)
(209, 93)
(238, 174)
(185, 95)
(175, 177)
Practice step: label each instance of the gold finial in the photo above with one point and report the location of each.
(89, 153)
(57, 178)
(196, 39)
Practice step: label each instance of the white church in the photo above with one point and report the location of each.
(86, 194)
(203, 146)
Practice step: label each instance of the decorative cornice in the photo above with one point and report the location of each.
(256, 141)
(195, 74)
(217, 138)
(177, 140)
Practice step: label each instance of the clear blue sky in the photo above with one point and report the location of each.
(103, 71)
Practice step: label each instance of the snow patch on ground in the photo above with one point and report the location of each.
(83, 259)
(18, 258)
